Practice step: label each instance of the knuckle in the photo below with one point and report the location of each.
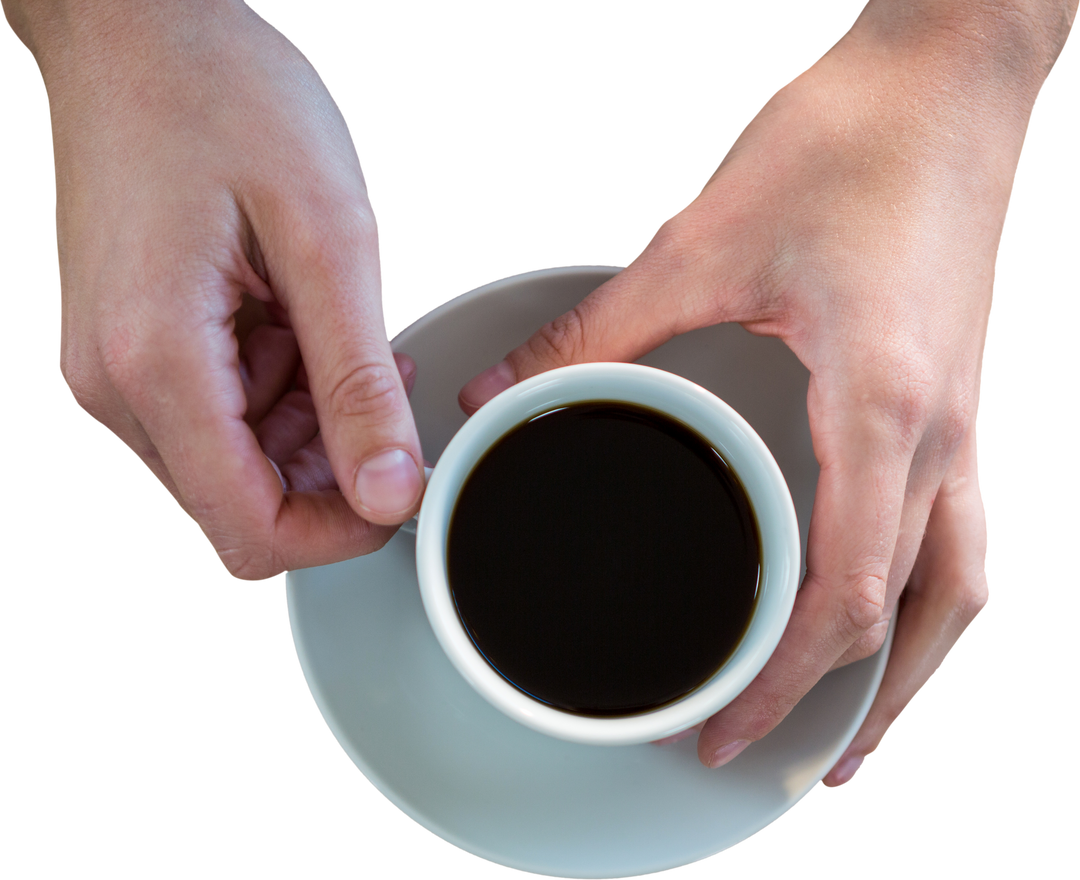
(243, 536)
(84, 387)
(909, 403)
(333, 251)
(869, 643)
(249, 561)
(366, 390)
(677, 246)
(123, 361)
(863, 605)
(83, 368)
(954, 423)
(906, 401)
(561, 341)
(971, 598)
(246, 558)
(679, 250)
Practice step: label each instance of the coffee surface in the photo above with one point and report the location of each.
(604, 559)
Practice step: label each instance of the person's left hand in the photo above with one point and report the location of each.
(863, 237)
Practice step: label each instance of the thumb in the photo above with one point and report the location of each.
(621, 320)
(332, 294)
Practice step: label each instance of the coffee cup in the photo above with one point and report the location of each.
(695, 542)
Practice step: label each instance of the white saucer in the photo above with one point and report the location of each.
(456, 765)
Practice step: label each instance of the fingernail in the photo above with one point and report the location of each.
(407, 368)
(726, 753)
(482, 388)
(388, 482)
(843, 771)
(281, 476)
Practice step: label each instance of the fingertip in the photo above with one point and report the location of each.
(845, 768)
(726, 754)
(388, 487)
(482, 388)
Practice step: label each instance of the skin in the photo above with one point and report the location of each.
(220, 277)
(857, 219)
(221, 300)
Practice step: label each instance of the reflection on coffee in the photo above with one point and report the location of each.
(604, 559)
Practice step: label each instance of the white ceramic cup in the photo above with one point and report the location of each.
(695, 407)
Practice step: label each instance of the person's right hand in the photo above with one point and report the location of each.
(220, 277)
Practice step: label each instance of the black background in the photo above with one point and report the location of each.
(175, 692)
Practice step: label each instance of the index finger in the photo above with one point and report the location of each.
(183, 385)
(324, 261)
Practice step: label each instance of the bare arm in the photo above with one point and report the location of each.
(220, 276)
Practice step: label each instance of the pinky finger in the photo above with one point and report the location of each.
(947, 588)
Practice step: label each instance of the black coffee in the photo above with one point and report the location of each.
(604, 559)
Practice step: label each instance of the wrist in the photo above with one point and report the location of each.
(27, 17)
(1000, 50)
(64, 35)
(949, 83)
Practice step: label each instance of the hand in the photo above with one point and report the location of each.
(220, 276)
(857, 218)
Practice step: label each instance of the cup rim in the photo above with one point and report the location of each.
(678, 398)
